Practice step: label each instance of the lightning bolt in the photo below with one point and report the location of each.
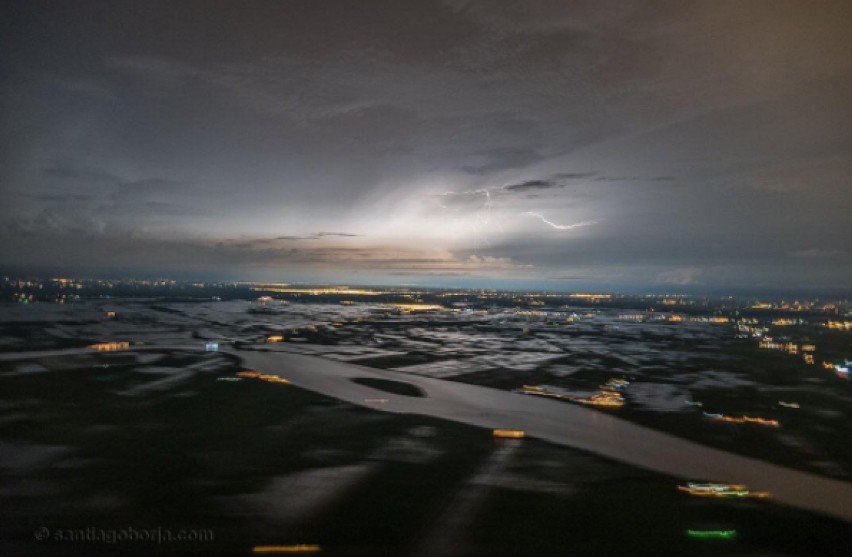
(560, 226)
(481, 218)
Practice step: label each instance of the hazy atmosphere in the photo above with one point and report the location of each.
(426, 278)
(559, 145)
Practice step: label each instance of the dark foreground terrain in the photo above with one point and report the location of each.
(99, 448)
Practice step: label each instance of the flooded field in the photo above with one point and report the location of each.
(389, 450)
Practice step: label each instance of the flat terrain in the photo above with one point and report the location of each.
(563, 424)
(379, 442)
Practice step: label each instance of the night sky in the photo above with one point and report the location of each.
(550, 144)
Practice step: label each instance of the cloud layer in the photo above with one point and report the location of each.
(713, 138)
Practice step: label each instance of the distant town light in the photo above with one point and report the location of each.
(110, 346)
(741, 420)
(721, 490)
(298, 548)
(509, 434)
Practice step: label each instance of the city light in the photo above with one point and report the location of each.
(299, 548)
(741, 420)
(721, 491)
(607, 397)
(418, 307)
(110, 346)
(509, 434)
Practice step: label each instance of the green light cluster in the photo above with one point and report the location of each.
(722, 534)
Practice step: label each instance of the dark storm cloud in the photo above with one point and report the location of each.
(564, 179)
(698, 135)
(118, 251)
(533, 185)
(95, 195)
(318, 236)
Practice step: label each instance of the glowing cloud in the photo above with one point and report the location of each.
(481, 218)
